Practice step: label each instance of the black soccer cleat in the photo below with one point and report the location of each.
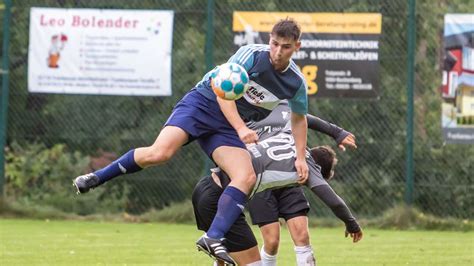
(84, 183)
(215, 249)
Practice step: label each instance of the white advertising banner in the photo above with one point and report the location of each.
(457, 116)
(99, 51)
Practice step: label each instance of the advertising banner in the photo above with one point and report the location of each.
(339, 54)
(100, 51)
(458, 79)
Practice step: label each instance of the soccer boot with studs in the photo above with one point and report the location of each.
(215, 249)
(84, 183)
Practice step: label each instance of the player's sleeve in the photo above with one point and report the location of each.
(338, 207)
(321, 188)
(244, 57)
(209, 74)
(299, 102)
(321, 125)
(315, 177)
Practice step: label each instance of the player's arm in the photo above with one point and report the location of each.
(340, 209)
(229, 109)
(299, 128)
(342, 137)
(244, 57)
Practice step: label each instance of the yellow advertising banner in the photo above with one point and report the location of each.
(339, 53)
(349, 23)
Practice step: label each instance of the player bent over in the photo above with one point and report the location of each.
(240, 240)
(219, 127)
(276, 127)
(290, 203)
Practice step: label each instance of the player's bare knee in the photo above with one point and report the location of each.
(250, 179)
(159, 155)
(244, 180)
(271, 245)
(302, 237)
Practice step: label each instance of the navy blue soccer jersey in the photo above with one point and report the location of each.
(267, 87)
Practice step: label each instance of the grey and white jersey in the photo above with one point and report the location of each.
(278, 121)
(274, 156)
(273, 160)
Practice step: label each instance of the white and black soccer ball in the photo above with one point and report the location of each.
(229, 81)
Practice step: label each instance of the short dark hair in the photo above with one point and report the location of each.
(287, 28)
(325, 157)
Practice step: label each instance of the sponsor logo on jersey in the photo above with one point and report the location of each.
(259, 96)
(256, 95)
(268, 129)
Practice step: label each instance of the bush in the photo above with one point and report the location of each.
(41, 176)
(403, 217)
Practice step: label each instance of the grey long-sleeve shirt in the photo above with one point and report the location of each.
(274, 157)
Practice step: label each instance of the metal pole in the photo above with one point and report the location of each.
(410, 102)
(209, 54)
(4, 95)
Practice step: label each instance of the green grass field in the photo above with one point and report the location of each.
(28, 242)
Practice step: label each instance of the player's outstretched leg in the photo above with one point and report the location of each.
(126, 164)
(215, 249)
(167, 143)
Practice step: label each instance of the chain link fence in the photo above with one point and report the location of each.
(94, 130)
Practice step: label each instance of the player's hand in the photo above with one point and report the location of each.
(348, 141)
(247, 135)
(302, 170)
(302, 180)
(355, 236)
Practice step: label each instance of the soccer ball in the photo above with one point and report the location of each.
(229, 81)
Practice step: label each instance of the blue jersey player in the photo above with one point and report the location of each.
(219, 127)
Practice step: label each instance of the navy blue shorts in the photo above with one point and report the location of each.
(204, 121)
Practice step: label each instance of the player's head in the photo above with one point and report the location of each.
(288, 29)
(326, 158)
(284, 41)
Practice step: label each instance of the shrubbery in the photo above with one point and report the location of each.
(41, 176)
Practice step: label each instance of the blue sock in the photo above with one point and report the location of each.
(230, 206)
(123, 165)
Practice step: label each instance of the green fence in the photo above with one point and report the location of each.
(52, 138)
